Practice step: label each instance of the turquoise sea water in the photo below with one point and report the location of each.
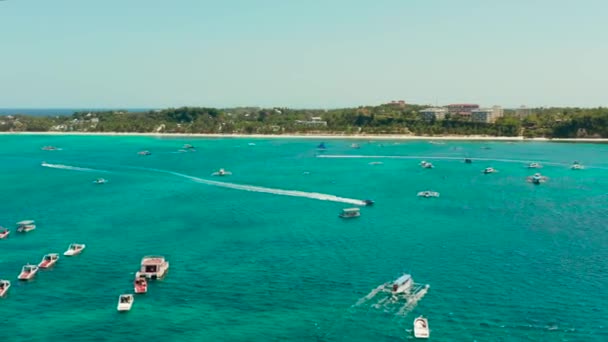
(505, 260)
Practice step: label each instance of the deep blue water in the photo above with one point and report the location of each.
(505, 260)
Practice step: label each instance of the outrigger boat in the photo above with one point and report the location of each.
(4, 232)
(74, 249)
(421, 328)
(25, 226)
(399, 296)
(100, 181)
(426, 165)
(402, 284)
(153, 267)
(125, 302)
(140, 285)
(28, 272)
(428, 194)
(350, 213)
(489, 170)
(49, 260)
(4, 286)
(221, 173)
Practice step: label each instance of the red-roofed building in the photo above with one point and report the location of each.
(463, 109)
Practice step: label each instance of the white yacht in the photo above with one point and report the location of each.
(421, 328)
(488, 170)
(428, 194)
(350, 213)
(153, 267)
(426, 165)
(74, 249)
(402, 284)
(25, 226)
(125, 302)
(221, 173)
(534, 166)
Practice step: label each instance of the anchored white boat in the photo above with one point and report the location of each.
(4, 286)
(534, 166)
(74, 249)
(28, 272)
(428, 194)
(577, 166)
(221, 172)
(426, 165)
(537, 178)
(49, 260)
(421, 328)
(489, 170)
(355, 146)
(125, 302)
(25, 226)
(153, 267)
(140, 285)
(350, 213)
(144, 153)
(188, 147)
(50, 148)
(4, 232)
(100, 181)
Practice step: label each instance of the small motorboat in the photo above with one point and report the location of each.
(100, 181)
(221, 173)
(468, 161)
(488, 170)
(74, 249)
(421, 328)
(50, 148)
(4, 286)
(369, 202)
(355, 146)
(428, 194)
(321, 146)
(28, 272)
(426, 165)
(140, 284)
(376, 163)
(153, 267)
(144, 153)
(402, 284)
(534, 166)
(4, 233)
(49, 260)
(537, 178)
(350, 213)
(25, 226)
(125, 302)
(188, 147)
(577, 166)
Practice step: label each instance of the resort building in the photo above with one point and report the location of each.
(430, 114)
(487, 115)
(314, 121)
(462, 109)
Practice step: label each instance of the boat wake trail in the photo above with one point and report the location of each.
(253, 188)
(71, 168)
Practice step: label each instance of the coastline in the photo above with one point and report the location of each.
(318, 136)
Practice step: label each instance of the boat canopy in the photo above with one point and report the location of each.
(152, 259)
(403, 279)
(25, 222)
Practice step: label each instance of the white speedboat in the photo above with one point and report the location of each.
(426, 165)
(50, 148)
(153, 267)
(355, 146)
(28, 272)
(4, 286)
(74, 249)
(25, 226)
(144, 153)
(421, 328)
(402, 284)
(428, 194)
(221, 173)
(49, 260)
(577, 166)
(489, 170)
(534, 166)
(140, 284)
(537, 178)
(188, 147)
(4, 233)
(125, 302)
(350, 213)
(100, 181)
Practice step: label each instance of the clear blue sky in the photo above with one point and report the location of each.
(308, 53)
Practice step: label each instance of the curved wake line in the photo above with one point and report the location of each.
(345, 156)
(253, 188)
(71, 168)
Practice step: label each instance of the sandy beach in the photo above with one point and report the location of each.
(315, 136)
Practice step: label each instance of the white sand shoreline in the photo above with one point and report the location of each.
(313, 136)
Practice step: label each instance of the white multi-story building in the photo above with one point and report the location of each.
(430, 114)
(487, 115)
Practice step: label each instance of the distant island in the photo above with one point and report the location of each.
(394, 118)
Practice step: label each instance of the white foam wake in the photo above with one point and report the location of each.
(71, 168)
(293, 193)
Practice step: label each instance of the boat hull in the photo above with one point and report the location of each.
(4, 291)
(421, 328)
(26, 276)
(4, 235)
(140, 289)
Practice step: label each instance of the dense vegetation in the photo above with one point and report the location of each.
(383, 119)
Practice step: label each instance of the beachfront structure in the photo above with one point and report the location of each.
(314, 121)
(430, 114)
(523, 112)
(487, 115)
(462, 109)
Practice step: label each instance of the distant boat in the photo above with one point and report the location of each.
(488, 170)
(4, 232)
(25, 226)
(534, 166)
(221, 173)
(28, 272)
(350, 213)
(369, 202)
(428, 194)
(577, 166)
(100, 181)
(140, 285)
(188, 147)
(355, 146)
(49, 260)
(421, 328)
(4, 286)
(153, 267)
(402, 284)
(50, 148)
(537, 179)
(321, 146)
(144, 153)
(251, 144)
(468, 161)
(376, 163)
(426, 165)
(125, 302)
(74, 249)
